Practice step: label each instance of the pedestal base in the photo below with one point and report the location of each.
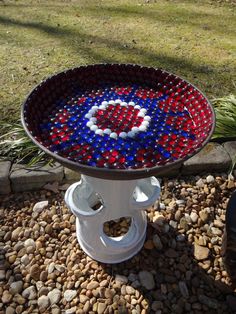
(113, 200)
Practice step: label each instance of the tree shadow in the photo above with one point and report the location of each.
(89, 45)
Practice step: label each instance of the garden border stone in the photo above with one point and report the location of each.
(5, 185)
(32, 178)
(212, 158)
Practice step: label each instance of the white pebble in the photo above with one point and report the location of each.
(117, 101)
(141, 114)
(113, 135)
(102, 107)
(93, 119)
(137, 107)
(145, 123)
(123, 104)
(90, 123)
(104, 103)
(94, 108)
(131, 103)
(131, 134)
(94, 127)
(88, 115)
(142, 128)
(143, 110)
(99, 132)
(123, 134)
(147, 118)
(107, 131)
(111, 102)
(210, 179)
(135, 129)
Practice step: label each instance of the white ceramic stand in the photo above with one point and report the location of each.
(117, 198)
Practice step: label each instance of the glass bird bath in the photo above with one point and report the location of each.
(119, 125)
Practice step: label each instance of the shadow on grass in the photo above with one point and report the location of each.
(85, 43)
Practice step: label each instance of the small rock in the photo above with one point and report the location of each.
(86, 307)
(40, 206)
(16, 287)
(171, 253)
(25, 260)
(43, 302)
(121, 279)
(194, 217)
(30, 293)
(92, 285)
(210, 179)
(10, 310)
(29, 242)
(2, 274)
(173, 224)
(216, 231)
(180, 202)
(230, 184)
(183, 289)
(54, 296)
(149, 245)
(101, 307)
(183, 224)
(130, 290)
(53, 187)
(56, 310)
(157, 305)
(204, 215)
(200, 183)
(159, 219)
(43, 275)
(69, 295)
(6, 296)
(162, 206)
(211, 303)
(15, 233)
(200, 252)
(83, 298)
(19, 299)
(35, 272)
(43, 291)
(180, 237)
(157, 242)
(71, 310)
(146, 279)
(51, 267)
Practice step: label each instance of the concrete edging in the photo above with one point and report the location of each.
(18, 178)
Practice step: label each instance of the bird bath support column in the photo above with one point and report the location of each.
(117, 199)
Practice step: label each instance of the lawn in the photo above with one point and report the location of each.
(193, 39)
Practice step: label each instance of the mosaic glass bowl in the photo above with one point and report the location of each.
(118, 121)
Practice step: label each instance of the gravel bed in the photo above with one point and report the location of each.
(179, 269)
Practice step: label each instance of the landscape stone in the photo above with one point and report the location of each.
(230, 148)
(54, 296)
(200, 252)
(146, 279)
(16, 287)
(32, 178)
(213, 157)
(5, 184)
(71, 176)
(69, 295)
(43, 302)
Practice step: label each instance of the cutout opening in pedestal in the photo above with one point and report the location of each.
(117, 228)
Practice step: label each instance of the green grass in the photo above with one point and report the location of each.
(193, 39)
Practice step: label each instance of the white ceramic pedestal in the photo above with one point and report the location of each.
(117, 198)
